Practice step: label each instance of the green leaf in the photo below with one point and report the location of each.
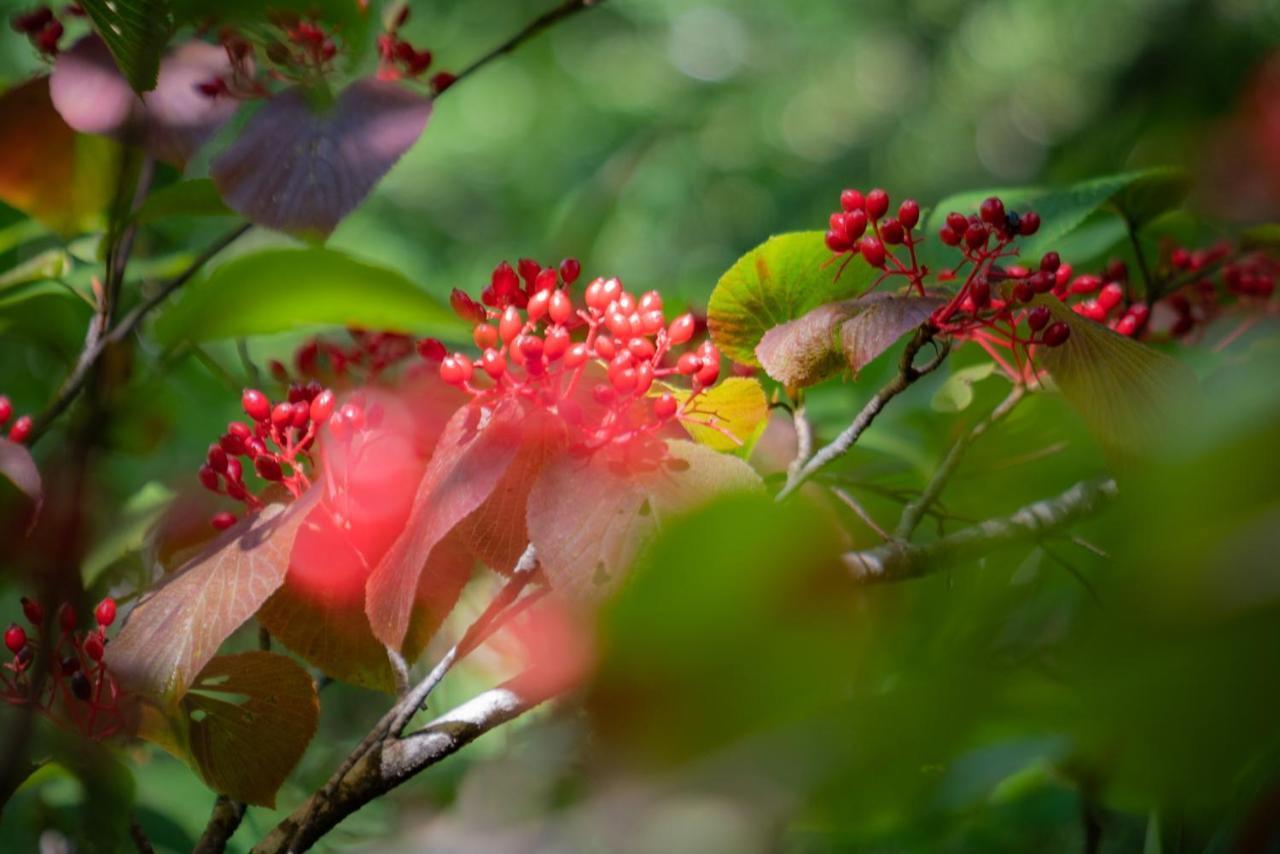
(197, 197)
(778, 281)
(244, 724)
(1141, 195)
(736, 405)
(128, 531)
(1127, 393)
(1261, 237)
(53, 264)
(956, 393)
(135, 31)
(280, 289)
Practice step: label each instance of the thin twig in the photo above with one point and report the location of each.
(915, 511)
(906, 376)
(804, 440)
(856, 506)
(226, 817)
(139, 836)
(564, 10)
(896, 560)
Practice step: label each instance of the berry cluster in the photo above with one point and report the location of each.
(21, 427)
(369, 354)
(992, 306)
(278, 444)
(1103, 299)
(75, 688)
(42, 28)
(536, 345)
(397, 58)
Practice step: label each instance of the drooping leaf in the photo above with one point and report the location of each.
(196, 197)
(478, 446)
(172, 121)
(776, 282)
(807, 350)
(956, 393)
(882, 320)
(177, 628)
(589, 516)
(48, 171)
(300, 168)
(19, 468)
(279, 289)
(136, 32)
(1126, 392)
(243, 725)
(52, 264)
(736, 406)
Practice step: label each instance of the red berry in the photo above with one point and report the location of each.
(546, 280)
(322, 406)
(21, 429)
(465, 307)
(510, 324)
(1030, 225)
(605, 347)
(873, 251)
(282, 415)
(452, 372)
(217, 458)
(892, 232)
(709, 372)
(222, 521)
(1110, 296)
(877, 204)
(851, 200)
(1038, 318)
(1050, 262)
(688, 363)
(268, 468)
(1056, 334)
(976, 236)
(957, 222)
(949, 236)
(15, 638)
(576, 356)
(442, 81)
(67, 617)
(105, 613)
(539, 303)
(1023, 292)
(208, 478)
(484, 335)
(6, 409)
(837, 241)
(255, 404)
(992, 211)
(681, 329)
(570, 269)
(1041, 282)
(33, 611)
(301, 414)
(493, 363)
(665, 407)
(909, 213)
(855, 224)
(980, 293)
(1127, 325)
(93, 648)
(1181, 258)
(560, 308)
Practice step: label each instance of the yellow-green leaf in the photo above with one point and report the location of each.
(737, 406)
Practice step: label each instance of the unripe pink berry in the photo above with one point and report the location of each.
(560, 307)
(451, 372)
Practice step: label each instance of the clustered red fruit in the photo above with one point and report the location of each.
(369, 354)
(21, 427)
(992, 306)
(77, 690)
(537, 345)
(42, 28)
(397, 57)
(277, 444)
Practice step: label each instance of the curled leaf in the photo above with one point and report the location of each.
(882, 320)
(807, 350)
(956, 393)
(300, 168)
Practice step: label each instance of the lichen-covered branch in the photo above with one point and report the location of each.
(895, 560)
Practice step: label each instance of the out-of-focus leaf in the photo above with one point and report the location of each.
(736, 405)
(177, 628)
(477, 447)
(196, 197)
(279, 289)
(1126, 392)
(589, 517)
(807, 350)
(19, 468)
(52, 264)
(135, 31)
(300, 167)
(956, 393)
(48, 170)
(1261, 237)
(776, 282)
(172, 121)
(243, 725)
(883, 319)
(1151, 193)
(350, 21)
(128, 531)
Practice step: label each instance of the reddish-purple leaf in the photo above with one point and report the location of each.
(881, 320)
(477, 447)
(20, 469)
(171, 122)
(300, 167)
(177, 628)
(588, 517)
(806, 350)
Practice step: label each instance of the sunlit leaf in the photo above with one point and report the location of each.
(589, 516)
(1126, 392)
(17, 466)
(243, 725)
(736, 406)
(300, 167)
(196, 197)
(477, 447)
(177, 627)
(882, 320)
(171, 122)
(49, 171)
(279, 289)
(956, 393)
(807, 350)
(776, 282)
(136, 32)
